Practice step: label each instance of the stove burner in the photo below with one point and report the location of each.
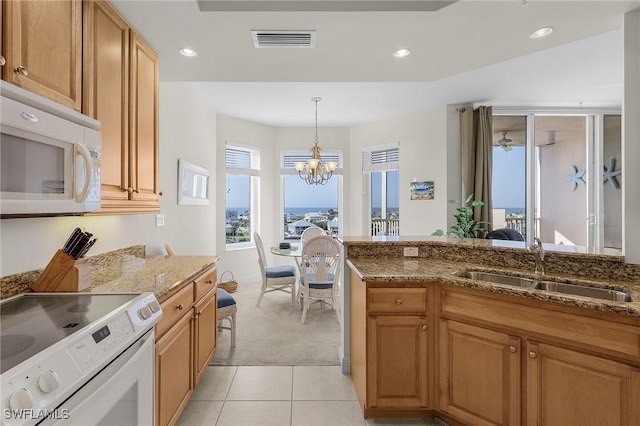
(13, 344)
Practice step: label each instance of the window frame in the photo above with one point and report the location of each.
(379, 158)
(287, 168)
(252, 170)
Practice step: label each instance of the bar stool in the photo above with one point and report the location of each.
(227, 309)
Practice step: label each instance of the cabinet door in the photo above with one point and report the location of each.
(106, 94)
(397, 368)
(174, 371)
(205, 332)
(143, 116)
(479, 374)
(43, 48)
(565, 387)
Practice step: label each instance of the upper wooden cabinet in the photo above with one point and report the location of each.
(121, 90)
(42, 46)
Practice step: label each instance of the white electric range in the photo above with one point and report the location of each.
(78, 359)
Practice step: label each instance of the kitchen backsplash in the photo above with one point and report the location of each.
(12, 285)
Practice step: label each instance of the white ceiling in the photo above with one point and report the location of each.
(470, 51)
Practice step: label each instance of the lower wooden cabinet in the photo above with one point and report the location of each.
(185, 342)
(174, 367)
(500, 359)
(397, 365)
(390, 350)
(504, 362)
(567, 387)
(205, 333)
(479, 374)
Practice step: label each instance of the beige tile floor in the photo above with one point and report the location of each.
(278, 396)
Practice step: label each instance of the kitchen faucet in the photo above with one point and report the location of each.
(538, 254)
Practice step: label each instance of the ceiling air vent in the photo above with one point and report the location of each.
(283, 38)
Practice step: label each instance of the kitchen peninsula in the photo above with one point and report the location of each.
(424, 340)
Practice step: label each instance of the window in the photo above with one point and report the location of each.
(548, 180)
(242, 180)
(382, 164)
(307, 205)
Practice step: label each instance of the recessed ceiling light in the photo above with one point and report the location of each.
(401, 53)
(541, 32)
(185, 51)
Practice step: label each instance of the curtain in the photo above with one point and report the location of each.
(477, 160)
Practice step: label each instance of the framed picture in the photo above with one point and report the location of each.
(193, 184)
(421, 190)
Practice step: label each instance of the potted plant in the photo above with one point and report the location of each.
(466, 226)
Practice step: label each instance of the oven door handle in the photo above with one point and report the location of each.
(85, 398)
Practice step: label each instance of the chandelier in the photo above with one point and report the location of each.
(315, 171)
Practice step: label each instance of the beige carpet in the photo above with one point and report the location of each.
(272, 334)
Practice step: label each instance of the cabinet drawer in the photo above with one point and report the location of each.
(174, 308)
(205, 282)
(397, 300)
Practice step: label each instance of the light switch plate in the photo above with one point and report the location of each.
(159, 220)
(411, 251)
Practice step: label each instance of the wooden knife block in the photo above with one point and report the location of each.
(63, 274)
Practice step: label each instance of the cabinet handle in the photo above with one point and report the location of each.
(2, 61)
(22, 71)
(512, 349)
(180, 307)
(532, 355)
(209, 282)
(129, 190)
(399, 302)
(160, 193)
(198, 314)
(424, 327)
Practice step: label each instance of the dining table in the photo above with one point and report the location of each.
(294, 251)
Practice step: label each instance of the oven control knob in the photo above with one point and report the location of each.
(154, 306)
(145, 313)
(22, 399)
(48, 381)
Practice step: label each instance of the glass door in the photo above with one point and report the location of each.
(557, 177)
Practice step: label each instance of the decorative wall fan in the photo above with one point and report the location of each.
(504, 142)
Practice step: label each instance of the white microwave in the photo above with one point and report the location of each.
(49, 157)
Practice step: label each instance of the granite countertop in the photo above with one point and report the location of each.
(161, 275)
(386, 270)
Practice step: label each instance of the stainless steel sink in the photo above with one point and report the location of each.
(579, 290)
(500, 279)
(567, 289)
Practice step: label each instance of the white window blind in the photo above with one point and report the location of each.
(377, 159)
(242, 160)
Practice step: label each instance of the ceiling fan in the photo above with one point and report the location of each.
(504, 142)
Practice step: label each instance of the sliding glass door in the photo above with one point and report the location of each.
(555, 177)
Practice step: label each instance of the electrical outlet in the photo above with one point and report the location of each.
(159, 220)
(160, 279)
(411, 251)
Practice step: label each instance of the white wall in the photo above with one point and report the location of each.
(424, 151)
(187, 130)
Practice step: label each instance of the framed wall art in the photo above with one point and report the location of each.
(193, 184)
(421, 190)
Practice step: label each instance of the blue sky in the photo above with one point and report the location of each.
(509, 178)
